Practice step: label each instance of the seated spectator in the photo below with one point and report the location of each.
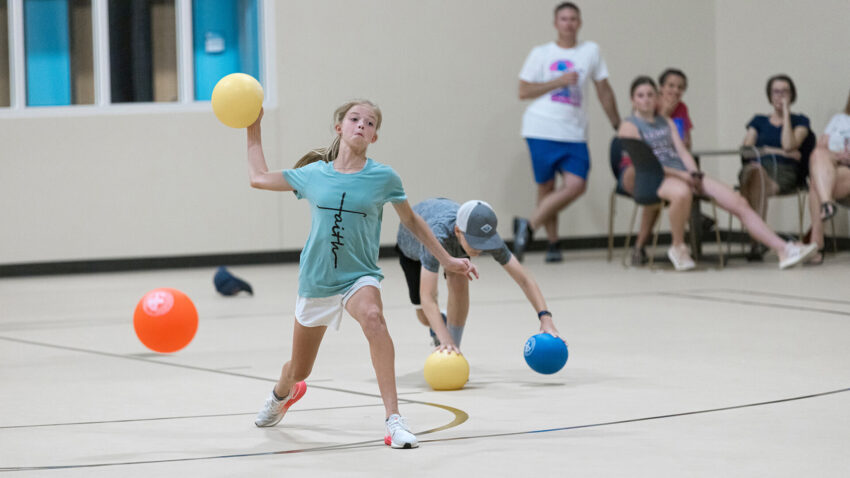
(829, 172)
(683, 179)
(772, 150)
(672, 85)
(670, 105)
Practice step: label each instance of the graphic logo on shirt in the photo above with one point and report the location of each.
(570, 95)
(336, 231)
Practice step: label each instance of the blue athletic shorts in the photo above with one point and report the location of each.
(549, 157)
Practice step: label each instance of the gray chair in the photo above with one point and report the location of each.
(649, 174)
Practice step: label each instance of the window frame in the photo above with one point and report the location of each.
(186, 101)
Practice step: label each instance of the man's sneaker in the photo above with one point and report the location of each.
(522, 236)
(274, 409)
(398, 434)
(797, 253)
(681, 258)
(638, 256)
(553, 253)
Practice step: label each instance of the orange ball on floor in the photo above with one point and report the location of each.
(165, 320)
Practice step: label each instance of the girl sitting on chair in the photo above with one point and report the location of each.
(683, 179)
(830, 175)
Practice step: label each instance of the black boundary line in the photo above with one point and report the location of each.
(785, 296)
(692, 296)
(186, 417)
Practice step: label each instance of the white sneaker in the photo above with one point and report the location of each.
(681, 258)
(398, 434)
(274, 409)
(797, 253)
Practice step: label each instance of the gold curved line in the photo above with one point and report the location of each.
(460, 415)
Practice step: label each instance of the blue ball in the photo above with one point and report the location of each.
(545, 354)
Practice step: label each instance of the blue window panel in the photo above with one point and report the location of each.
(48, 52)
(225, 40)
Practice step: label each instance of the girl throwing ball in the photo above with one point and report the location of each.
(347, 192)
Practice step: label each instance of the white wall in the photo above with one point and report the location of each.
(445, 75)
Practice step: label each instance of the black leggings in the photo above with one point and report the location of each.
(412, 273)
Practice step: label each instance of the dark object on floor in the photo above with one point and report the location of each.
(228, 284)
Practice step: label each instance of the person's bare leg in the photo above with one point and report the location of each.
(814, 212)
(822, 173)
(571, 188)
(734, 203)
(305, 347)
(550, 224)
(367, 309)
(680, 197)
(458, 305)
(420, 314)
(647, 222)
(757, 187)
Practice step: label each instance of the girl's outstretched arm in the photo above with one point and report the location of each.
(259, 174)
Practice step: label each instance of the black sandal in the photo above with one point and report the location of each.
(827, 210)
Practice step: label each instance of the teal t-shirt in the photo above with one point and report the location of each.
(345, 233)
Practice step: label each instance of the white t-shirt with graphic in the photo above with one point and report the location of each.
(561, 114)
(838, 130)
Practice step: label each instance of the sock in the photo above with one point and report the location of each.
(279, 399)
(456, 333)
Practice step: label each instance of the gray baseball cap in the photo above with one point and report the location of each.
(477, 220)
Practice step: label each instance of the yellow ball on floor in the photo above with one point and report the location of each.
(237, 99)
(446, 371)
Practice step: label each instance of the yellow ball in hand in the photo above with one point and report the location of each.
(446, 371)
(237, 99)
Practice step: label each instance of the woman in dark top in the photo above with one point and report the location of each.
(771, 148)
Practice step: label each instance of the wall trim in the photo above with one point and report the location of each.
(292, 256)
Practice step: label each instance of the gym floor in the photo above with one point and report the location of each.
(737, 372)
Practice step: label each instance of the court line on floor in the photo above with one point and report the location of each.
(460, 416)
(644, 419)
(714, 299)
(776, 294)
(185, 417)
(377, 443)
(77, 323)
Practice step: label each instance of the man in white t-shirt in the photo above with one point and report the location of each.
(555, 76)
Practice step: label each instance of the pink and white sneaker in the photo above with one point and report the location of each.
(274, 409)
(398, 433)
